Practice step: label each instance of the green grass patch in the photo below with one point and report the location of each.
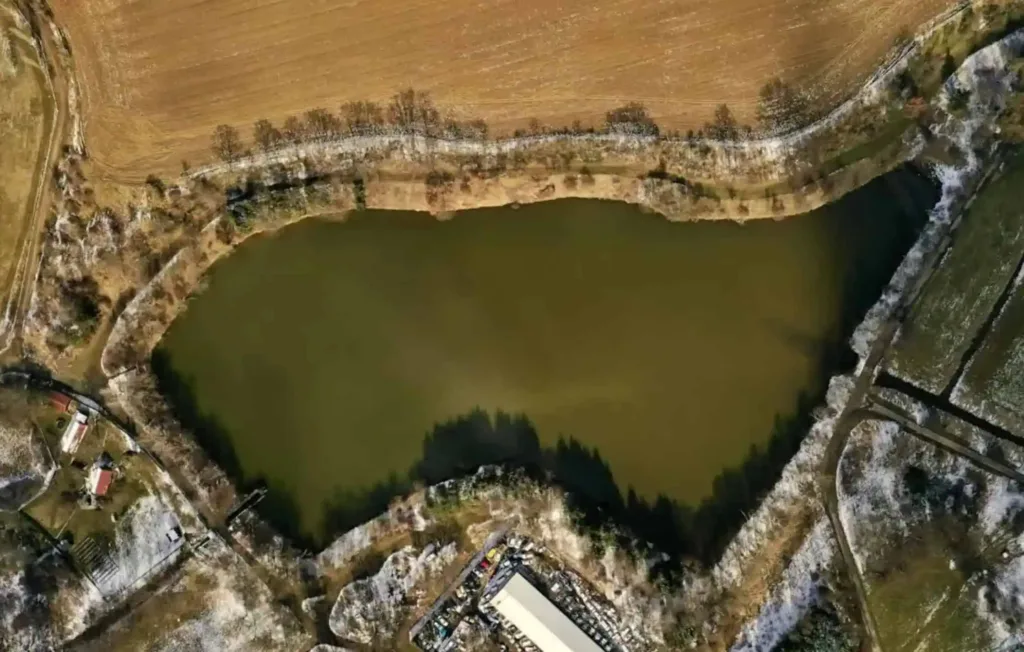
(920, 601)
(961, 294)
(887, 137)
(993, 383)
(864, 139)
(57, 505)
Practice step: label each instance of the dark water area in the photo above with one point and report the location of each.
(663, 373)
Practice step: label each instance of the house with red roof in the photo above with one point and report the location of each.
(60, 401)
(99, 480)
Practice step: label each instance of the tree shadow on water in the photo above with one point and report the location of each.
(211, 434)
(461, 445)
(278, 505)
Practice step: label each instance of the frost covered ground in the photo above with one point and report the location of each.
(24, 465)
(992, 384)
(794, 595)
(141, 545)
(983, 74)
(489, 500)
(214, 604)
(42, 603)
(370, 610)
(938, 542)
(893, 488)
(24, 615)
(774, 589)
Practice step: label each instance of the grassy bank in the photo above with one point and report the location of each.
(960, 296)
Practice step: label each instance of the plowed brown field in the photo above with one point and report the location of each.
(158, 76)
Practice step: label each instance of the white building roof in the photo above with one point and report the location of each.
(74, 433)
(538, 619)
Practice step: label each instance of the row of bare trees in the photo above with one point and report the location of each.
(414, 112)
(409, 111)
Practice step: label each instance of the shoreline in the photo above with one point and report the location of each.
(185, 271)
(390, 171)
(716, 605)
(152, 310)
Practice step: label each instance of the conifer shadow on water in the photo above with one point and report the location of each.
(459, 446)
(464, 443)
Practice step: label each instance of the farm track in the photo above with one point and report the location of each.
(28, 238)
(861, 399)
(20, 294)
(845, 424)
(883, 410)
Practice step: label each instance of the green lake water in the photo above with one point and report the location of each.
(319, 357)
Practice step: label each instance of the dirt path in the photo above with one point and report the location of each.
(854, 411)
(29, 236)
(29, 252)
(881, 409)
(829, 478)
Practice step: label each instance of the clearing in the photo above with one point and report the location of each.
(213, 602)
(158, 77)
(124, 535)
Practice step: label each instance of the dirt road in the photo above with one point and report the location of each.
(879, 409)
(29, 251)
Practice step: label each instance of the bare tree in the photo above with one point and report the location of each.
(362, 117)
(631, 118)
(902, 38)
(227, 144)
(293, 130)
(414, 112)
(476, 128)
(322, 124)
(402, 109)
(724, 126)
(780, 106)
(265, 135)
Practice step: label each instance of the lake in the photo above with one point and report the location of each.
(319, 357)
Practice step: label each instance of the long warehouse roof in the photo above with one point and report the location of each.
(538, 619)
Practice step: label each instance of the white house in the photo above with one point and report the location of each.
(74, 433)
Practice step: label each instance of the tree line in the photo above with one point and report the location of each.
(414, 112)
(409, 111)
